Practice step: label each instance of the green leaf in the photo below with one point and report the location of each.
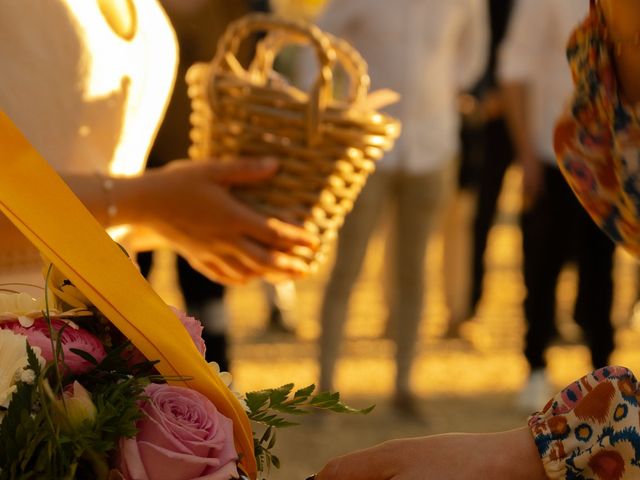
(32, 359)
(269, 407)
(257, 400)
(85, 355)
(304, 392)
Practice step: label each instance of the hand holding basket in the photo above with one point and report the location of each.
(326, 147)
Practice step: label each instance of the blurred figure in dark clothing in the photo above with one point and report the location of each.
(198, 25)
(486, 154)
(497, 150)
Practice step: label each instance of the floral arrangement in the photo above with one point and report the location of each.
(78, 400)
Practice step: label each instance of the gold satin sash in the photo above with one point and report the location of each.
(42, 206)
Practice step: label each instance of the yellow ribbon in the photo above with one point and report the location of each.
(42, 206)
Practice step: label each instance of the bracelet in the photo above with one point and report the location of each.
(107, 188)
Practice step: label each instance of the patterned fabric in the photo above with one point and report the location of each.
(590, 430)
(597, 139)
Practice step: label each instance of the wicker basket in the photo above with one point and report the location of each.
(326, 146)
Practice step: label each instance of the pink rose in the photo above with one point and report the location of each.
(181, 437)
(194, 327)
(72, 338)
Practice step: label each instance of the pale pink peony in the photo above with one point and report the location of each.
(181, 437)
(194, 327)
(72, 338)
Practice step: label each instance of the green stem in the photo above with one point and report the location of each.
(98, 463)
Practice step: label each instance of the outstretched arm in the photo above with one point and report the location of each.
(511, 455)
(189, 205)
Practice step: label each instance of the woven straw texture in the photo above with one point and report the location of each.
(326, 146)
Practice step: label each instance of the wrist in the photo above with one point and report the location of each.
(132, 200)
(516, 456)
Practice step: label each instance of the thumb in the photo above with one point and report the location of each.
(243, 170)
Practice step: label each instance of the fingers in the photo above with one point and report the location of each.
(243, 170)
(211, 270)
(350, 467)
(237, 263)
(272, 233)
(223, 269)
(380, 462)
(369, 464)
(277, 234)
(265, 261)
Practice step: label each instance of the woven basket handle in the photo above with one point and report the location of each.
(240, 30)
(353, 63)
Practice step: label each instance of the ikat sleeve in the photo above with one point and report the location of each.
(591, 429)
(597, 140)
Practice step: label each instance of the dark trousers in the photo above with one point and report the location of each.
(496, 158)
(556, 230)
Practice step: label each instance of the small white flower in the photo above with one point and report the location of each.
(227, 379)
(27, 376)
(13, 363)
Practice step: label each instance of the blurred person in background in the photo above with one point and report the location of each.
(497, 150)
(488, 153)
(198, 24)
(427, 51)
(536, 83)
(589, 430)
(87, 83)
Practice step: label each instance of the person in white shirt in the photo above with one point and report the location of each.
(427, 51)
(590, 429)
(87, 82)
(537, 83)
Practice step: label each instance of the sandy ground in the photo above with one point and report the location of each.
(464, 385)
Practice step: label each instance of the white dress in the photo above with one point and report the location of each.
(88, 99)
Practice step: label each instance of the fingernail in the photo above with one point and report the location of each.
(292, 264)
(301, 266)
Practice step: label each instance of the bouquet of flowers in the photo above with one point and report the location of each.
(100, 379)
(78, 400)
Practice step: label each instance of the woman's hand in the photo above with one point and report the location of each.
(190, 205)
(508, 455)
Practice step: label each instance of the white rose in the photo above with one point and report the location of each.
(13, 359)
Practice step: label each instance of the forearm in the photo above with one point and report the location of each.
(124, 194)
(623, 22)
(517, 457)
(188, 205)
(510, 455)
